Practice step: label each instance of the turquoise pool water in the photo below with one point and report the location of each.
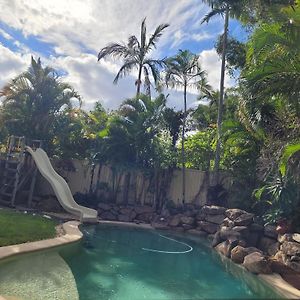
(120, 263)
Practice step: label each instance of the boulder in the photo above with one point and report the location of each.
(270, 231)
(165, 213)
(234, 213)
(216, 219)
(217, 239)
(281, 257)
(213, 210)
(200, 216)
(208, 227)
(187, 220)
(284, 238)
(244, 219)
(243, 230)
(264, 243)
(296, 237)
(108, 216)
(104, 206)
(257, 263)
(198, 233)
(228, 223)
(145, 217)
(253, 238)
(238, 254)
(290, 248)
(225, 247)
(226, 233)
(255, 227)
(124, 218)
(125, 210)
(210, 237)
(143, 210)
(273, 249)
(294, 265)
(159, 225)
(175, 221)
(187, 226)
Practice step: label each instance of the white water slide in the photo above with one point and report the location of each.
(60, 187)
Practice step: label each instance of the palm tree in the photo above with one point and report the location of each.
(245, 11)
(33, 99)
(135, 56)
(184, 71)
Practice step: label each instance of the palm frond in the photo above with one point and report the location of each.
(115, 50)
(155, 36)
(125, 70)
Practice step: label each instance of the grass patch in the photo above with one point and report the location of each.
(16, 228)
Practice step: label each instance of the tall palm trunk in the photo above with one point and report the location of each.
(182, 144)
(139, 81)
(221, 99)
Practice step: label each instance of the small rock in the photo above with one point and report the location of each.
(270, 231)
(213, 210)
(244, 219)
(290, 248)
(257, 263)
(234, 213)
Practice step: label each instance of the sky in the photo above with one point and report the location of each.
(68, 34)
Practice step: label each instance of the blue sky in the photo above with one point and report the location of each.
(68, 34)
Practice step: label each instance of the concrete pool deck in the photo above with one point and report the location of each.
(73, 234)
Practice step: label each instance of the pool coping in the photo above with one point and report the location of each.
(73, 234)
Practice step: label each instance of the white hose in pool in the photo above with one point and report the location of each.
(170, 252)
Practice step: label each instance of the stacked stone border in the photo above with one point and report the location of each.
(233, 233)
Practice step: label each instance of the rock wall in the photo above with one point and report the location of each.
(234, 233)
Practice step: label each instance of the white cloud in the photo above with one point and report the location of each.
(5, 34)
(11, 64)
(211, 62)
(79, 29)
(75, 25)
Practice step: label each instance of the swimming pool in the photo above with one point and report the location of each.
(132, 264)
(127, 263)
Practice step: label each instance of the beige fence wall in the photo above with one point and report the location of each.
(140, 188)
